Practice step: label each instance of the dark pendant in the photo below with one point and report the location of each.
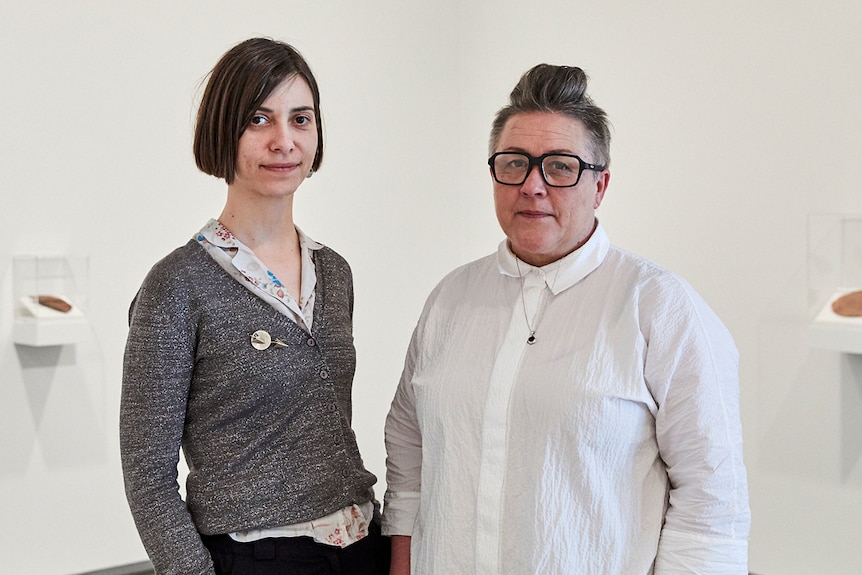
(532, 339)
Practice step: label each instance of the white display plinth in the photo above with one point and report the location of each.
(836, 332)
(39, 326)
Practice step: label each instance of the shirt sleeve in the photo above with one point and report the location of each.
(692, 370)
(157, 373)
(403, 452)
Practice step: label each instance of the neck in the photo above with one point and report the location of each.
(266, 226)
(260, 221)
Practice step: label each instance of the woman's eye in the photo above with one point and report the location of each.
(302, 120)
(258, 120)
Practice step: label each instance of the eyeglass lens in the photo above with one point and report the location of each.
(513, 168)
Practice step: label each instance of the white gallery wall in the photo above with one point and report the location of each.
(734, 123)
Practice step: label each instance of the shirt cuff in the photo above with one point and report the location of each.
(685, 553)
(399, 512)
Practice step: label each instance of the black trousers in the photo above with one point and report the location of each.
(299, 556)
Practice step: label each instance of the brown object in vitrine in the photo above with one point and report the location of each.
(54, 302)
(850, 304)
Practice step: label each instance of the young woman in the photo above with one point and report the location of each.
(240, 351)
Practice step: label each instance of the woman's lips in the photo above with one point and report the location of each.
(533, 214)
(280, 167)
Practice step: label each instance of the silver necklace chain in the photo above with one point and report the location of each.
(532, 338)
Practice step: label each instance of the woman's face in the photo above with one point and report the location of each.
(276, 151)
(544, 224)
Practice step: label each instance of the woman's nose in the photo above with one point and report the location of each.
(535, 182)
(282, 139)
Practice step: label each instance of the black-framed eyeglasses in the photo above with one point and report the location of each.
(558, 170)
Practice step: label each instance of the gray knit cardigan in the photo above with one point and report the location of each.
(266, 433)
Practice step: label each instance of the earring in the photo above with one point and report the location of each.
(310, 173)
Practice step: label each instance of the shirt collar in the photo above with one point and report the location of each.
(563, 273)
(215, 233)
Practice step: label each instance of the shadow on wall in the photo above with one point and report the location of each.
(810, 402)
(53, 405)
(851, 415)
(142, 568)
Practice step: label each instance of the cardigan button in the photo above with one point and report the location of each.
(310, 342)
(324, 374)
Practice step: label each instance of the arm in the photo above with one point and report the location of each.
(157, 373)
(403, 466)
(692, 370)
(400, 564)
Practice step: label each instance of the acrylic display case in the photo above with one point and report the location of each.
(834, 270)
(49, 294)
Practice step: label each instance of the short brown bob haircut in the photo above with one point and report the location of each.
(238, 84)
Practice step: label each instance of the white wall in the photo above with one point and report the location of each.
(733, 122)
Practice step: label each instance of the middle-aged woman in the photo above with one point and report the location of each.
(240, 351)
(593, 395)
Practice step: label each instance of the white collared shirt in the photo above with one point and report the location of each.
(610, 446)
(346, 525)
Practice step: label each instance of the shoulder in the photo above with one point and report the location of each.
(331, 260)
(470, 275)
(186, 260)
(476, 270)
(465, 284)
(665, 300)
(332, 268)
(334, 276)
(644, 275)
(630, 263)
(185, 269)
(174, 278)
